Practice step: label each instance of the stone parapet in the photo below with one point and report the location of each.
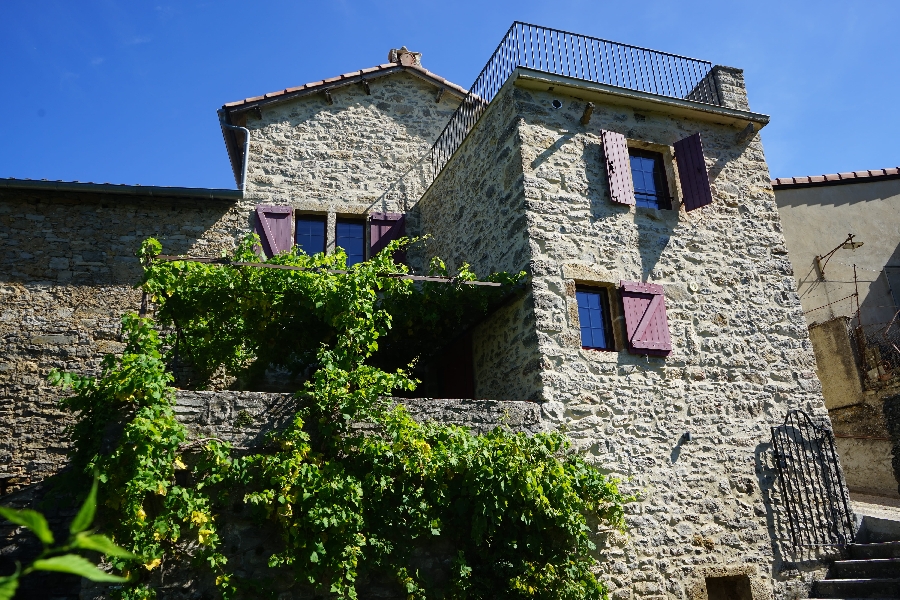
(244, 418)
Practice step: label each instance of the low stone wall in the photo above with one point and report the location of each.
(244, 418)
(867, 465)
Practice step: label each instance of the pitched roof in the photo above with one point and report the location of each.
(119, 188)
(836, 178)
(235, 150)
(352, 77)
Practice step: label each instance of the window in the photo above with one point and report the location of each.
(730, 587)
(351, 236)
(594, 318)
(310, 234)
(649, 177)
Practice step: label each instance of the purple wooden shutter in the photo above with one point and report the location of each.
(384, 228)
(645, 318)
(692, 172)
(273, 224)
(618, 167)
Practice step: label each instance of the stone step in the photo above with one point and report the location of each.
(878, 568)
(882, 550)
(856, 588)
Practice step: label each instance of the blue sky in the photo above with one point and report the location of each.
(127, 92)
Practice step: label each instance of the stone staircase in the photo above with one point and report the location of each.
(872, 569)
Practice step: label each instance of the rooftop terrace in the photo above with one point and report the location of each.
(580, 57)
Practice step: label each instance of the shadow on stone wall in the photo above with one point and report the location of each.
(653, 228)
(18, 544)
(794, 567)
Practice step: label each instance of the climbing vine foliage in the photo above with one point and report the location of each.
(509, 513)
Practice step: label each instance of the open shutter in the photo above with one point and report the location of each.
(692, 172)
(645, 318)
(273, 224)
(618, 167)
(384, 228)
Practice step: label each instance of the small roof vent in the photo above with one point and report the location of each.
(404, 57)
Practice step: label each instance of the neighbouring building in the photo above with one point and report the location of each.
(661, 328)
(850, 292)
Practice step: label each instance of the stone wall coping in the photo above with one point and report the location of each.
(243, 418)
(588, 90)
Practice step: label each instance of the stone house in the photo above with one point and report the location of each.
(850, 293)
(661, 328)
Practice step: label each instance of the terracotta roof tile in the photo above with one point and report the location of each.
(869, 175)
(383, 67)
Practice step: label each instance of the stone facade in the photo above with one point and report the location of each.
(67, 273)
(742, 356)
(688, 434)
(474, 213)
(361, 153)
(68, 262)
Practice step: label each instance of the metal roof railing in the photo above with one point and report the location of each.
(581, 57)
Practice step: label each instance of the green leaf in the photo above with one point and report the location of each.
(102, 544)
(85, 515)
(8, 586)
(31, 519)
(76, 565)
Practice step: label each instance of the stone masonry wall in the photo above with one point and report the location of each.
(474, 213)
(244, 419)
(67, 270)
(725, 84)
(742, 356)
(363, 153)
(67, 263)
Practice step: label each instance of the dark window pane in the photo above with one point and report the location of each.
(650, 189)
(311, 234)
(593, 314)
(351, 237)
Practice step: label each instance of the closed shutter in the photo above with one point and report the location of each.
(273, 224)
(618, 167)
(645, 318)
(384, 228)
(692, 172)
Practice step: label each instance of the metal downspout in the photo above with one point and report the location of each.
(243, 186)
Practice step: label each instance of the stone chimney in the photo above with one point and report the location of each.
(405, 57)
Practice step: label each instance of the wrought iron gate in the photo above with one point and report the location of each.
(812, 484)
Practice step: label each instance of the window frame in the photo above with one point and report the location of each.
(339, 220)
(673, 185)
(608, 302)
(317, 217)
(664, 196)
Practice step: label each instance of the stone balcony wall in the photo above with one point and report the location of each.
(244, 418)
